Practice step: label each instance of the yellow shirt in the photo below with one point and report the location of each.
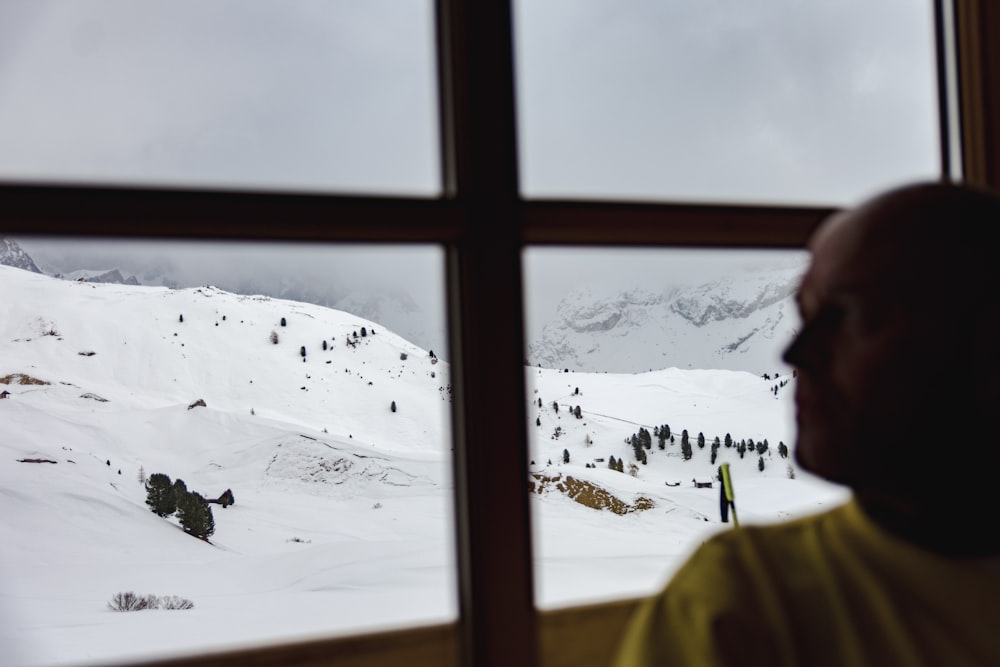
(830, 589)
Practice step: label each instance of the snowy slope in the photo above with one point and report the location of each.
(343, 518)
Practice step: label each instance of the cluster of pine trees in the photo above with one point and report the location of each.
(642, 441)
(165, 497)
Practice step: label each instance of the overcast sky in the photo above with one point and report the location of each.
(821, 102)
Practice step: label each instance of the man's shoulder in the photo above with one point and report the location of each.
(733, 554)
(789, 534)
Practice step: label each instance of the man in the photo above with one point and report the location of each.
(897, 369)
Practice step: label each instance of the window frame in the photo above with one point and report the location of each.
(483, 224)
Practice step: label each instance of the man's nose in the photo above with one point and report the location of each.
(805, 350)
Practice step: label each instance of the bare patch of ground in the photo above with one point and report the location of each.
(587, 493)
(21, 378)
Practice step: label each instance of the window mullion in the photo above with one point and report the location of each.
(498, 620)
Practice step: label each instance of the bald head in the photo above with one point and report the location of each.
(934, 237)
(895, 357)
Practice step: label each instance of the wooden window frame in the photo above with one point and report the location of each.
(484, 224)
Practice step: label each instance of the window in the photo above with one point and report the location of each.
(725, 102)
(310, 382)
(294, 96)
(483, 225)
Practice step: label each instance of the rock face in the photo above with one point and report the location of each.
(11, 254)
(741, 322)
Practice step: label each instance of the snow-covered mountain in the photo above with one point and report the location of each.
(11, 254)
(113, 276)
(335, 443)
(740, 322)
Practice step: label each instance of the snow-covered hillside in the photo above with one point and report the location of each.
(343, 517)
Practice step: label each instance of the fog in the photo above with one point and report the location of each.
(776, 101)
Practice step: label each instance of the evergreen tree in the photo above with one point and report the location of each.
(762, 447)
(636, 443)
(565, 456)
(160, 495)
(645, 438)
(760, 463)
(274, 337)
(283, 322)
(782, 450)
(701, 440)
(621, 465)
(612, 463)
(686, 447)
(302, 351)
(180, 490)
(393, 406)
(324, 344)
(364, 332)
(729, 440)
(539, 401)
(538, 421)
(181, 318)
(577, 413)
(195, 515)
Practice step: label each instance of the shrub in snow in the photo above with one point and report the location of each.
(129, 601)
(274, 337)
(175, 602)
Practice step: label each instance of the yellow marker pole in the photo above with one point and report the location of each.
(727, 488)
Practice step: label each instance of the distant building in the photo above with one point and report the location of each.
(4, 394)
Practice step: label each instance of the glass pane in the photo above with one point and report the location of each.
(311, 95)
(668, 341)
(816, 103)
(308, 384)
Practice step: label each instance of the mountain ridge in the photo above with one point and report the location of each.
(739, 322)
